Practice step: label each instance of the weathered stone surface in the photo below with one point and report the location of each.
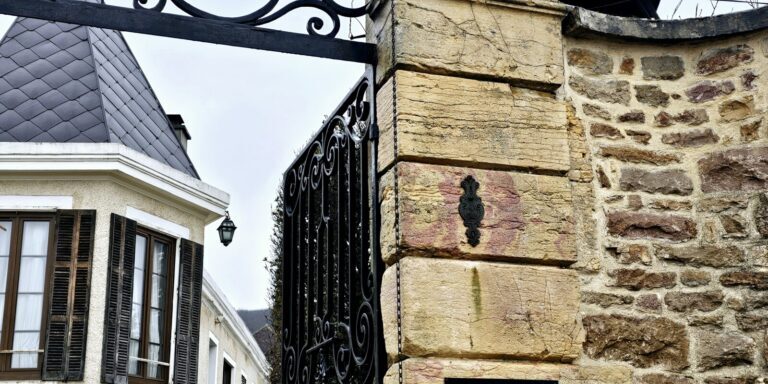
(605, 300)
(639, 156)
(648, 303)
(734, 226)
(526, 216)
(635, 225)
(651, 95)
(605, 130)
(706, 321)
(708, 90)
(632, 253)
(751, 131)
(743, 169)
(663, 119)
(662, 67)
(640, 137)
(695, 138)
(669, 182)
(643, 342)
(722, 59)
(603, 178)
(695, 278)
(453, 308)
(589, 61)
(692, 117)
(627, 66)
(509, 43)
(436, 370)
(751, 279)
(634, 116)
(671, 205)
(724, 350)
(755, 300)
(637, 279)
(747, 79)
(660, 378)
(753, 321)
(735, 110)
(731, 380)
(702, 256)
(694, 301)
(719, 204)
(443, 119)
(596, 111)
(634, 202)
(761, 215)
(609, 91)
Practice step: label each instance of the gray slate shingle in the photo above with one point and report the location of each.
(66, 83)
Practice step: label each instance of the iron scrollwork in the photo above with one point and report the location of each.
(471, 209)
(331, 267)
(270, 12)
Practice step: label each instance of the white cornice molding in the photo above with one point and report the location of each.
(235, 323)
(116, 159)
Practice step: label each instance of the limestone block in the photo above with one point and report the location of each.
(435, 371)
(470, 309)
(461, 121)
(505, 41)
(527, 217)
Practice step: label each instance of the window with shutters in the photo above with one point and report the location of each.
(25, 246)
(152, 301)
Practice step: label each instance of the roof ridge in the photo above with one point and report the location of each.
(98, 83)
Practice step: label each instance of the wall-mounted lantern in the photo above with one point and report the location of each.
(227, 230)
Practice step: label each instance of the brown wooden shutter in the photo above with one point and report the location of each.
(117, 314)
(188, 316)
(65, 341)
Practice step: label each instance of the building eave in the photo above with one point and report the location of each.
(112, 158)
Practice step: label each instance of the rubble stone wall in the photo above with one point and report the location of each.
(677, 136)
(625, 235)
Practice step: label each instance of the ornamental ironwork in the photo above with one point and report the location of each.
(471, 209)
(272, 11)
(331, 267)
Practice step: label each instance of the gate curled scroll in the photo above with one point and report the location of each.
(331, 266)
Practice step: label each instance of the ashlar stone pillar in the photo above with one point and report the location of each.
(467, 88)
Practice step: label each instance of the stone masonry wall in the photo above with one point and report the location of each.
(677, 138)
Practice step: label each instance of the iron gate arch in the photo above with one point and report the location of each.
(331, 266)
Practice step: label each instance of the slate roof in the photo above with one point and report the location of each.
(66, 83)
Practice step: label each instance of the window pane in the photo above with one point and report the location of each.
(154, 355)
(155, 325)
(35, 241)
(158, 291)
(138, 301)
(32, 275)
(29, 300)
(159, 264)
(5, 237)
(133, 365)
(26, 341)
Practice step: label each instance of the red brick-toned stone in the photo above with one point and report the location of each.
(669, 182)
(708, 90)
(635, 225)
(627, 66)
(637, 279)
(717, 60)
(634, 116)
(744, 169)
(751, 279)
(695, 138)
(640, 137)
(639, 156)
(642, 341)
(601, 130)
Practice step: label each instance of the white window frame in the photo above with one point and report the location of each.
(231, 362)
(213, 371)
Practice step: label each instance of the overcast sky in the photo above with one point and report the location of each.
(249, 112)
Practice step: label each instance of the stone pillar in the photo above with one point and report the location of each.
(467, 88)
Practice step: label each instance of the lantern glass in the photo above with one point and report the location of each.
(226, 230)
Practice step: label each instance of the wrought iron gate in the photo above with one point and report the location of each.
(331, 266)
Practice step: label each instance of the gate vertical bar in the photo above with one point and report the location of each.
(332, 331)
